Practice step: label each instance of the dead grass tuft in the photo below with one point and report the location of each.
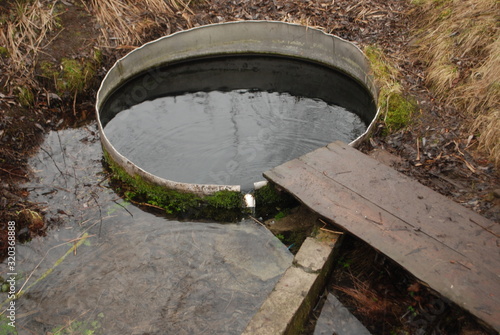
(24, 37)
(366, 300)
(460, 41)
(489, 125)
(127, 22)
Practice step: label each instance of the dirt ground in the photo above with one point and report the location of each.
(437, 148)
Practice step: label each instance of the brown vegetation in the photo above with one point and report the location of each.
(460, 43)
(130, 22)
(23, 36)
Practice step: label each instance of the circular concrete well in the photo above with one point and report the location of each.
(212, 108)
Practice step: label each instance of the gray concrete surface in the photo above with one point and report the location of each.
(336, 319)
(288, 306)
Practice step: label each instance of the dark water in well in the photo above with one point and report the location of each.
(227, 120)
(226, 137)
(135, 272)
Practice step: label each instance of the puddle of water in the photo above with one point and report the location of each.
(227, 120)
(136, 273)
(227, 138)
(65, 176)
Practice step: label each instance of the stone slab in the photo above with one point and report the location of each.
(287, 308)
(336, 319)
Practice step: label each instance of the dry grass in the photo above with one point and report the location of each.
(127, 22)
(461, 42)
(488, 123)
(367, 301)
(24, 37)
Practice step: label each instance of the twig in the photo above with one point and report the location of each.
(100, 212)
(332, 231)
(230, 300)
(263, 225)
(62, 150)
(76, 181)
(102, 181)
(469, 165)
(97, 221)
(14, 174)
(418, 149)
(74, 103)
(125, 208)
(57, 167)
(328, 230)
(459, 263)
(145, 204)
(376, 222)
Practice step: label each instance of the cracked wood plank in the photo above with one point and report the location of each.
(454, 250)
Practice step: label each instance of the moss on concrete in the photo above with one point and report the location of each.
(269, 201)
(226, 206)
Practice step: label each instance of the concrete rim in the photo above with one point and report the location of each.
(241, 37)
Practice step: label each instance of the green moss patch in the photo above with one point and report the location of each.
(225, 206)
(71, 76)
(400, 110)
(270, 202)
(397, 107)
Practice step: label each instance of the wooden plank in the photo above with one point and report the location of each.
(418, 205)
(446, 265)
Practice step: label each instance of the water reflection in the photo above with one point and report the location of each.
(227, 138)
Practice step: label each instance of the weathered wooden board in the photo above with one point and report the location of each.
(454, 250)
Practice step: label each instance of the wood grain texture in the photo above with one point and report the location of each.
(452, 249)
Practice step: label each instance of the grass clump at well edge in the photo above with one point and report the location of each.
(460, 43)
(224, 206)
(71, 76)
(397, 107)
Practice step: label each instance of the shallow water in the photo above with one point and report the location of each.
(226, 138)
(136, 273)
